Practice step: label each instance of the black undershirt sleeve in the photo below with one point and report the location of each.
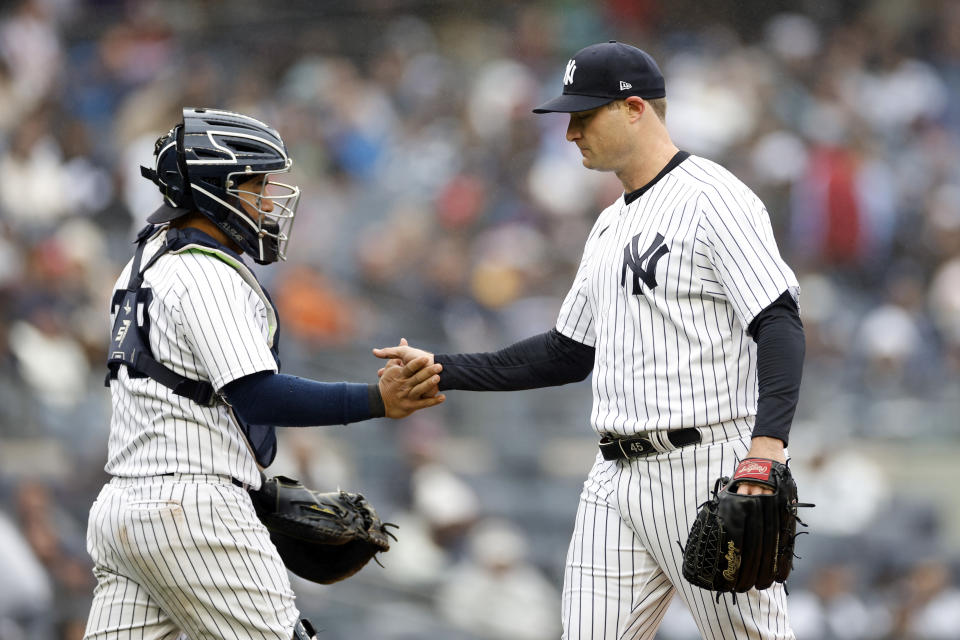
(778, 332)
(545, 360)
(552, 359)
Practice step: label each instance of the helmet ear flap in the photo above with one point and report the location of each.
(170, 174)
(179, 190)
(181, 154)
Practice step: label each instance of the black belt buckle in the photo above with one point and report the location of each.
(619, 448)
(634, 447)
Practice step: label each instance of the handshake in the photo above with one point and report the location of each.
(410, 380)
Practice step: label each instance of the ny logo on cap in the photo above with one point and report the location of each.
(568, 76)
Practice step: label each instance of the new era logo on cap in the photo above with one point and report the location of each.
(604, 72)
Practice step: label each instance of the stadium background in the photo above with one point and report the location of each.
(437, 208)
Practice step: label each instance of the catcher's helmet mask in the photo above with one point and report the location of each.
(200, 165)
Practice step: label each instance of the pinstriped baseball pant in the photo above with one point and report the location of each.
(624, 561)
(174, 555)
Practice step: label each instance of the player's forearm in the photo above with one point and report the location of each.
(780, 351)
(545, 360)
(288, 401)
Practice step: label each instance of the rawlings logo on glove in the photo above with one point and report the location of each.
(754, 469)
(740, 542)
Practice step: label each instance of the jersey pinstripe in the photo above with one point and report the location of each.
(177, 547)
(624, 564)
(207, 323)
(184, 553)
(664, 291)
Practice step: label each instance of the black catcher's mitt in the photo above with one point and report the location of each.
(323, 537)
(739, 542)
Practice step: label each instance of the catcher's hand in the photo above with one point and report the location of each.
(323, 537)
(739, 542)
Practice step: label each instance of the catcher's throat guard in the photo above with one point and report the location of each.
(740, 542)
(322, 537)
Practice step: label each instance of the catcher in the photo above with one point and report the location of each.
(193, 372)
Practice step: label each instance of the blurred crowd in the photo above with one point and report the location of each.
(436, 207)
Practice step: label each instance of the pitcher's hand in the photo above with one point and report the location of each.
(410, 387)
(402, 354)
(763, 447)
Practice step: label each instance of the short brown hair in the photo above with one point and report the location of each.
(659, 106)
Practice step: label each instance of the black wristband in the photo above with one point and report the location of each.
(377, 408)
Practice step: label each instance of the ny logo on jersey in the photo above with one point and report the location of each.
(568, 75)
(651, 256)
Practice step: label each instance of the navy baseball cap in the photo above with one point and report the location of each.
(605, 72)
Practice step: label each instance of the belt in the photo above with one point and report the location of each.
(243, 485)
(654, 442)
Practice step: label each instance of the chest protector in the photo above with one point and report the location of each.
(130, 336)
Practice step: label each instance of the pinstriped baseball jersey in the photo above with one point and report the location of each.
(206, 322)
(665, 288)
